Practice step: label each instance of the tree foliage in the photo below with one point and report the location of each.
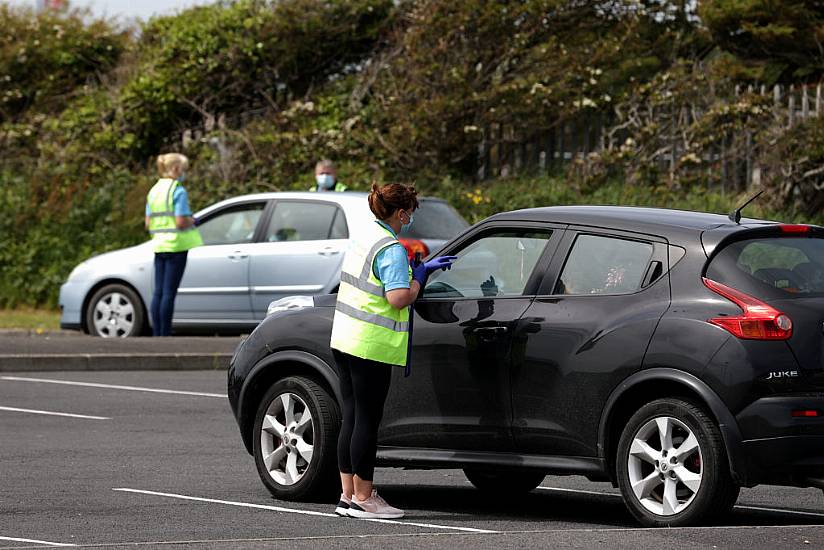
(235, 56)
(456, 71)
(782, 37)
(44, 57)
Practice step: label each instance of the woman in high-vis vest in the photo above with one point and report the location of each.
(370, 335)
(172, 227)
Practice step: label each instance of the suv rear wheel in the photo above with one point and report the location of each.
(295, 436)
(672, 466)
(504, 483)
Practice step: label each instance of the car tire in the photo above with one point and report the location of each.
(672, 466)
(296, 456)
(115, 311)
(504, 483)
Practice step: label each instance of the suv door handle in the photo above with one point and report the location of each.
(328, 251)
(238, 255)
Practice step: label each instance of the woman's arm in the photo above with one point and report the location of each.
(402, 297)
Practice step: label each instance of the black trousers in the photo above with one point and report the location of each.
(364, 385)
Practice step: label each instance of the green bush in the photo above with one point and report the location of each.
(231, 57)
(45, 56)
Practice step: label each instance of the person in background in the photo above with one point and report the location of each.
(172, 227)
(326, 177)
(370, 334)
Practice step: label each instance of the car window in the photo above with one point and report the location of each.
(783, 267)
(498, 264)
(339, 228)
(435, 220)
(232, 225)
(304, 221)
(604, 265)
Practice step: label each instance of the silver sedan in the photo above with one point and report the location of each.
(258, 248)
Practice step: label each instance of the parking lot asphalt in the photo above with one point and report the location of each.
(154, 459)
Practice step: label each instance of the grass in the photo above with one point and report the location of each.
(29, 319)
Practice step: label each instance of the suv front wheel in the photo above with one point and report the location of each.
(295, 436)
(672, 466)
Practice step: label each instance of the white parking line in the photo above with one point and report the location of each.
(44, 542)
(299, 511)
(111, 386)
(50, 413)
(739, 506)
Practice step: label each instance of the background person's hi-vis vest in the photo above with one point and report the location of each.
(365, 324)
(162, 227)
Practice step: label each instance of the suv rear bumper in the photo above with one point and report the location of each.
(780, 448)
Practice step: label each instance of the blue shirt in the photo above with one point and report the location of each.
(391, 265)
(180, 200)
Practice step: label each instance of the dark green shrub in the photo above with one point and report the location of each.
(45, 56)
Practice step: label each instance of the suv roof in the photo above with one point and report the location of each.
(662, 221)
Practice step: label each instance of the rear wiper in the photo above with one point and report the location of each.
(735, 215)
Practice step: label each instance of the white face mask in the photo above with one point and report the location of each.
(326, 181)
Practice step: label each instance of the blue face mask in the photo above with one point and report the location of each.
(182, 177)
(407, 226)
(325, 181)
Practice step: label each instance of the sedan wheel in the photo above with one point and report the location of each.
(295, 439)
(114, 311)
(672, 466)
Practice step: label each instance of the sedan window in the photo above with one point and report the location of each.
(305, 221)
(233, 225)
(499, 264)
(604, 265)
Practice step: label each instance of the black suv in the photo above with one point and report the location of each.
(676, 354)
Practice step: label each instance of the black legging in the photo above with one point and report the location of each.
(364, 385)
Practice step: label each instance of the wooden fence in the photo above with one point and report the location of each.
(733, 157)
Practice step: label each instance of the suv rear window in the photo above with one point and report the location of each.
(435, 220)
(775, 268)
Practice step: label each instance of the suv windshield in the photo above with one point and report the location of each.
(774, 268)
(435, 220)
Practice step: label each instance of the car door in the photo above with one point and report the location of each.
(458, 394)
(215, 285)
(585, 333)
(301, 252)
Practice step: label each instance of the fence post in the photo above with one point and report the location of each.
(791, 105)
(805, 104)
(818, 100)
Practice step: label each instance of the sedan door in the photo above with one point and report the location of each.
(458, 394)
(301, 252)
(215, 285)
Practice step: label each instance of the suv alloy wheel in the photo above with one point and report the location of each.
(672, 466)
(295, 435)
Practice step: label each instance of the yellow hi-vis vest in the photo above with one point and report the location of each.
(162, 227)
(366, 325)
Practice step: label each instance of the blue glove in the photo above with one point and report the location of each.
(441, 262)
(419, 273)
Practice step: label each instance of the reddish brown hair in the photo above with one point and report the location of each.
(384, 201)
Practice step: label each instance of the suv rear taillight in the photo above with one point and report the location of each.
(414, 245)
(760, 321)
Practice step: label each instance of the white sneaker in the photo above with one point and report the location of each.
(373, 507)
(343, 506)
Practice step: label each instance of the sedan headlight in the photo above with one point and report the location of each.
(289, 303)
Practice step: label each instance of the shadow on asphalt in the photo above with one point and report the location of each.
(456, 503)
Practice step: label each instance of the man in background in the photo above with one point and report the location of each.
(326, 177)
